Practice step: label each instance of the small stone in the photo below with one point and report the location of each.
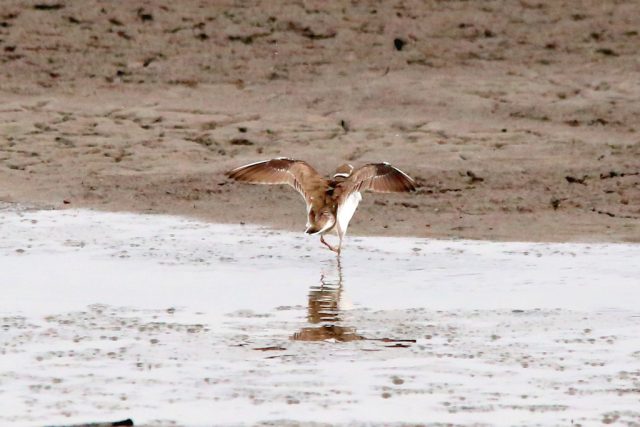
(399, 43)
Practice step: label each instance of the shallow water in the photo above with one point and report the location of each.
(163, 319)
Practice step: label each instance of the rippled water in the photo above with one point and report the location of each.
(166, 320)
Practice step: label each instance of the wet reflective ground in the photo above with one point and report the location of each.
(169, 321)
(325, 311)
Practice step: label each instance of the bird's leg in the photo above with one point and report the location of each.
(328, 245)
(340, 236)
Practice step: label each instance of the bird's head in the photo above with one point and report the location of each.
(321, 221)
(343, 172)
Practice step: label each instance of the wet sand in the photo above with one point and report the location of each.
(172, 321)
(519, 119)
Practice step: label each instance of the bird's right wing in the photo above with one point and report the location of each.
(379, 178)
(296, 173)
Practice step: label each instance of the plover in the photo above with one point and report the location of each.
(331, 203)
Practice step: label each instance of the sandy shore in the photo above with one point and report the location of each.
(142, 107)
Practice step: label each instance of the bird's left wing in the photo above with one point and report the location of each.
(296, 173)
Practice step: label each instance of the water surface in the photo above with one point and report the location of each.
(163, 319)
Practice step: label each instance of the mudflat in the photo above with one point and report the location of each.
(519, 119)
(170, 321)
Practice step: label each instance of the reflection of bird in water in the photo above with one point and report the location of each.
(324, 302)
(324, 307)
(330, 202)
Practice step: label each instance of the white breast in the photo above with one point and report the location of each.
(346, 211)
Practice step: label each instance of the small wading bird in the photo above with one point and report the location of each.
(330, 202)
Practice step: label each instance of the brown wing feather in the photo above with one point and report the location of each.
(296, 173)
(380, 178)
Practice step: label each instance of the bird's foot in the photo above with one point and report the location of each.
(336, 250)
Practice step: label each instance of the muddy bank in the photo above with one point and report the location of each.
(518, 120)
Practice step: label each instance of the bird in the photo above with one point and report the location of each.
(332, 202)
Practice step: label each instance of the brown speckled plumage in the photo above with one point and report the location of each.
(326, 197)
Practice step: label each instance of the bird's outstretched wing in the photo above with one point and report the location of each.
(377, 177)
(296, 173)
